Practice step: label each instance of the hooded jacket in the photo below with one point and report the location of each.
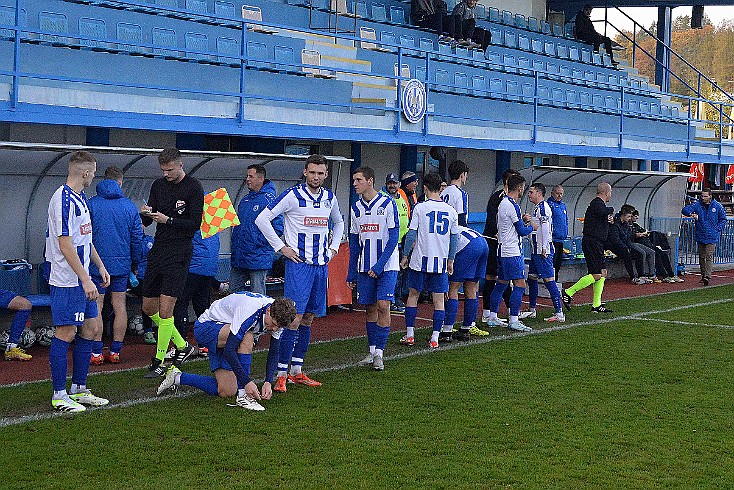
(250, 249)
(710, 222)
(117, 232)
(560, 219)
(205, 257)
(619, 236)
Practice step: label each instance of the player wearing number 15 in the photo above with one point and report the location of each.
(434, 229)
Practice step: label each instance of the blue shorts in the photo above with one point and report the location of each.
(435, 282)
(541, 267)
(118, 284)
(371, 290)
(70, 306)
(6, 297)
(510, 268)
(207, 334)
(306, 285)
(471, 263)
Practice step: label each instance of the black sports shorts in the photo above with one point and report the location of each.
(168, 267)
(593, 254)
(492, 257)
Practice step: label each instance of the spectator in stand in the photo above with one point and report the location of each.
(462, 26)
(198, 288)
(118, 234)
(252, 255)
(619, 241)
(22, 308)
(662, 259)
(392, 188)
(429, 14)
(560, 225)
(710, 219)
(585, 32)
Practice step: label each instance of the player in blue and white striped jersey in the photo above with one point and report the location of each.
(511, 227)
(308, 210)
(454, 195)
(373, 259)
(469, 267)
(434, 229)
(541, 256)
(229, 328)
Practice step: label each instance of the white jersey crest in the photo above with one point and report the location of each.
(68, 215)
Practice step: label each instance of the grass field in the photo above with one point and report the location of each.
(637, 399)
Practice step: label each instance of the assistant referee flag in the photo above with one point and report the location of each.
(219, 213)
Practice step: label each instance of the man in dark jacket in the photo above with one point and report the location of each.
(429, 14)
(619, 242)
(710, 219)
(586, 32)
(252, 255)
(117, 235)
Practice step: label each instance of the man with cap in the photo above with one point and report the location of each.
(408, 185)
(392, 189)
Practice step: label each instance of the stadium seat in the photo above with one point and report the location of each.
(479, 85)
(533, 24)
(284, 58)
(442, 80)
(228, 51)
(573, 53)
(562, 51)
(565, 72)
(93, 29)
(313, 58)
(606, 60)
(528, 92)
(397, 15)
(130, 33)
(257, 55)
(497, 88)
(163, 41)
(572, 98)
(539, 65)
(544, 96)
(461, 82)
(523, 42)
(404, 74)
(596, 58)
(536, 45)
(379, 14)
(494, 58)
(462, 51)
(407, 41)
(387, 37)
(577, 74)
(167, 3)
(445, 48)
(481, 11)
(523, 65)
(552, 69)
(558, 97)
(497, 38)
(520, 21)
(590, 77)
(513, 90)
(477, 54)
(255, 14)
(557, 30)
(585, 55)
(197, 46)
(510, 38)
(369, 34)
(549, 48)
(545, 27)
(361, 9)
(426, 44)
(507, 18)
(568, 31)
(198, 6)
(597, 102)
(494, 15)
(510, 63)
(420, 73)
(224, 9)
(52, 22)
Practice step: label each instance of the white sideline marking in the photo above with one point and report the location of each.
(692, 324)
(11, 421)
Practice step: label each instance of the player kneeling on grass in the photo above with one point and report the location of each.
(229, 329)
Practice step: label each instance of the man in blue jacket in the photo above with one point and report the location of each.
(710, 218)
(252, 255)
(560, 225)
(117, 235)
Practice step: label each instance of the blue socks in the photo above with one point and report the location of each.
(285, 348)
(97, 346)
(452, 309)
(496, 298)
(555, 295)
(438, 316)
(207, 384)
(301, 347)
(245, 362)
(516, 300)
(410, 313)
(381, 334)
(19, 322)
(57, 357)
(81, 353)
(371, 333)
(471, 307)
(533, 293)
(116, 346)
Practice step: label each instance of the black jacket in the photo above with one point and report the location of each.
(619, 236)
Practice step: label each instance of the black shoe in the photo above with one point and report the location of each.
(566, 299)
(602, 308)
(461, 335)
(156, 369)
(705, 281)
(444, 337)
(182, 354)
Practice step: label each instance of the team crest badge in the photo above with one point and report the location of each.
(255, 208)
(414, 100)
(380, 211)
(180, 207)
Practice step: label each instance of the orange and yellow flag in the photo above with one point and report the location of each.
(219, 213)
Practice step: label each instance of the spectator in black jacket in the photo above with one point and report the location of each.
(462, 26)
(619, 241)
(662, 258)
(429, 14)
(585, 32)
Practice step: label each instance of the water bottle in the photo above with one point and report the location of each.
(133, 280)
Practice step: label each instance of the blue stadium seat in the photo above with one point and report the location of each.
(228, 51)
(361, 8)
(130, 33)
(545, 27)
(539, 65)
(442, 80)
(420, 72)
(544, 95)
(549, 48)
(655, 108)
(510, 63)
(533, 24)
(557, 30)
(197, 46)
(388, 38)
(590, 77)
(645, 107)
(513, 90)
(562, 51)
(95, 30)
(613, 79)
(601, 78)
(284, 58)
(536, 45)
(479, 85)
(633, 106)
(162, 39)
(523, 64)
(507, 18)
(494, 57)
(564, 71)
(407, 41)
(494, 15)
(426, 44)
(611, 103)
(573, 52)
(520, 21)
(558, 97)
(52, 22)
(523, 42)
(477, 54)
(497, 37)
(167, 3)
(257, 55)
(198, 6)
(569, 30)
(577, 74)
(527, 92)
(224, 9)
(378, 12)
(397, 15)
(553, 69)
(596, 58)
(481, 11)
(572, 98)
(461, 81)
(462, 51)
(606, 60)
(665, 110)
(510, 38)
(445, 48)
(585, 55)
(497, 88)
(597, 102)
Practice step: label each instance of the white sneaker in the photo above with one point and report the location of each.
(558, 318)
(367, 360)
(67, 405)
(87, 398)
(169, 355)
(678, 279)
(249, 403)
(527, 314)
(497, 322)
(169, 382)
(378, 364)
(519, 327)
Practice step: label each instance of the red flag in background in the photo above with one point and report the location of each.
(730, 175)
(696, 173)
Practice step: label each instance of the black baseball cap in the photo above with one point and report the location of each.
(391, 178)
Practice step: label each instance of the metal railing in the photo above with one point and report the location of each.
(682, 232)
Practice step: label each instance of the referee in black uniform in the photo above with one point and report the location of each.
(175, 205)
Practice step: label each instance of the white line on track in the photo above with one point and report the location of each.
(11, 421)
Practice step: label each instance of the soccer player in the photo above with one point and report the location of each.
(541, 256)
(22, 308)
(229, 328)
(454, 195)
(596, 228)
(69, 249)
(511, 227)
(373, 260)
(175, 205)
(307, 210)
(434, 229)
(560, 225)
(469, 267)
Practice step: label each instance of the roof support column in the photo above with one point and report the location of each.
(408, 158)
(503, 160)
(356, 163)
(581, 162)
(662, 53)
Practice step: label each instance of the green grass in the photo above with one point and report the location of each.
(625, 404)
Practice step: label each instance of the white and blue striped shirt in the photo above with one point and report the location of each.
(68, 215)
(243, 311)
(435, 222)
(466, 235)
(542, 238)
(306, 223)
(457, 198)
(372, 221)
(510, 241)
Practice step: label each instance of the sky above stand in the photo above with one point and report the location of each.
(647, 15)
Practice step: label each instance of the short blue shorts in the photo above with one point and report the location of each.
(471, 263)
(510, 268)
(541, 267)
(434, 282)
(370, 290)
(118, 284)
(6, 297)
(306, 285)
(70, 306)
(206, 334)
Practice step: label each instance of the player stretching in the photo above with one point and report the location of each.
(541, 257)
(373, 252)
(434, 228)
(307, 210)
(511, 228)
(73, 294)
(229, 328)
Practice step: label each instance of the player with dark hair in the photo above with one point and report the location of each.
(229, 328)
(308, 209)
(22, 308)
(454, 195)
(373, 259)
(175, 205)
(434, 229)
(69, 250)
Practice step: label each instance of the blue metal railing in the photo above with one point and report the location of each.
(686, 248)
